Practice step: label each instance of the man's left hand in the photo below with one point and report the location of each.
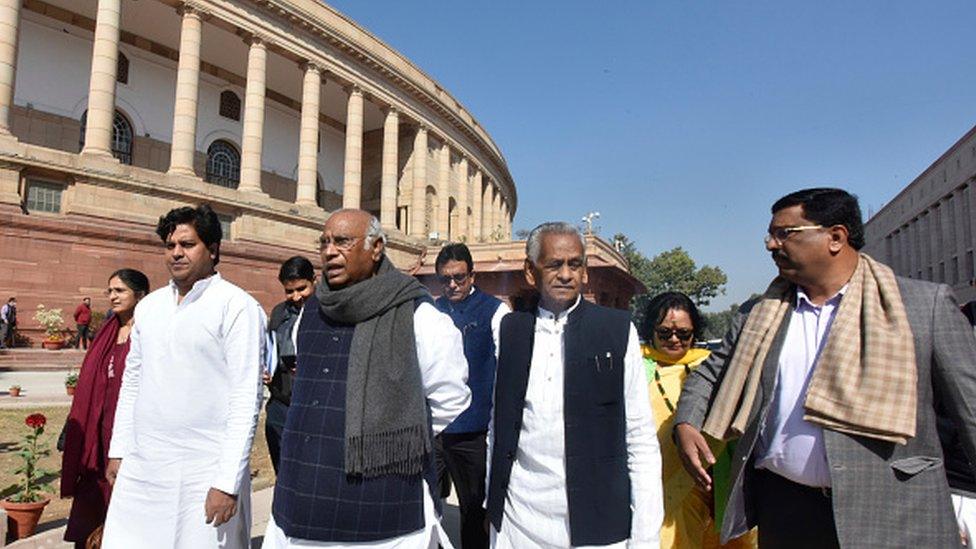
(220, 507)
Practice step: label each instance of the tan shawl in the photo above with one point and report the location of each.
(865, 378)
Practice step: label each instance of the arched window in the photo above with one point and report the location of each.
(223, 164)
(230, 105)
(121, 136)
(122, 69)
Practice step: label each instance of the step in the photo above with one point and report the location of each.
(40, 359)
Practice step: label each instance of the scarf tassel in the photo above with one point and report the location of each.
(400, 452)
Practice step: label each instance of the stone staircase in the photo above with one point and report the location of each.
(40, 359)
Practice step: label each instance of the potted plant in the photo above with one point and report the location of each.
(25, 506)
(70, 383)
(14, 390)
(53, 324)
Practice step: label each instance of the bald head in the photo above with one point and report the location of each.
(352, 244)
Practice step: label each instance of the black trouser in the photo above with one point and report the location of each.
(83, 336)
(274, 425)
(791, 515)
(465, 457)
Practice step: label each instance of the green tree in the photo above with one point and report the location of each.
(716, 324)
(672, 270)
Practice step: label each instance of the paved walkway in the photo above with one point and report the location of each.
(37, 389)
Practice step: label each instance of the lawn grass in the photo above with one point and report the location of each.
(12, 429)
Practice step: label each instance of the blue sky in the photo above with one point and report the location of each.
(681, 122)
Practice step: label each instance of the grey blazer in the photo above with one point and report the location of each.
(884, 494)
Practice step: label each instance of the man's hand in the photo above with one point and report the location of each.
(694, 450)
(266, 378)
(220, 507)
(112, 470)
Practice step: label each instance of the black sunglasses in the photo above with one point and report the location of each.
(665, 334)
(458, 278)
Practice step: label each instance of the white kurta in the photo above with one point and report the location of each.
(439, 351)
(186, 416)
(536, 509)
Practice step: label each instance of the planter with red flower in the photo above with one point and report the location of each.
(14, 390)
(70, 383)
(53, 324)
(25, 506)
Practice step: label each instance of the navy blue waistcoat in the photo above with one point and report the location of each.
(314, 498)
(473, 319)
(594, 415)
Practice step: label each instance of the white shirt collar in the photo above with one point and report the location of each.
(549, 318)
(802, 297)
(196, 291)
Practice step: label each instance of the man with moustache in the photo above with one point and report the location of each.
(828, 381)
(297, 277)
(188, 406)
(461, 448)
(377, 378)
(574, 455)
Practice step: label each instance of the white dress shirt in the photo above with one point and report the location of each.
(536, 509)
(439, 351)
(789, 445)
(186, 415)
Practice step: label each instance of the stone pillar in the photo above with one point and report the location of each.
(352, 186)
(253, 138)
(308, 140)
(418, 203)
(187, 84)
(486, 211)
(477, 233)
(463, 232)
(496, 212)
(9, 190)
(101, 85)
(391, 163)
(9, 26)
(444, 192)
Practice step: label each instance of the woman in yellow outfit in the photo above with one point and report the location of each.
(691, 516)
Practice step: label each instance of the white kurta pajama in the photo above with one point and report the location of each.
(186, 415)
(536, 510)
(444, 371)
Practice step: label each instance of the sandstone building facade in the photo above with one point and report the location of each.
(928, 230)
(276, 112)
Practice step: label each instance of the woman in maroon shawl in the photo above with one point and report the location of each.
(89, 428)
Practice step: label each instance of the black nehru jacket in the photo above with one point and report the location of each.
(597, 476)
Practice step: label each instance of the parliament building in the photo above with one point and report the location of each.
(275, 112)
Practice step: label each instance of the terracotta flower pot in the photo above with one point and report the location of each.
(69, 389)
(22, 518)
(14, 391)
(52, 345)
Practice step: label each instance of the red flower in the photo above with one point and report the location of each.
(35, 421)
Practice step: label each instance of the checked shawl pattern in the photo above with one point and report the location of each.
(865, 379)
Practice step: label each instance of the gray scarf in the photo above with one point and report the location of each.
(387, 431)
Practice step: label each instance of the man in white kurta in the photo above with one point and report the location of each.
(188, 407)
(321, 498)
(528, 503)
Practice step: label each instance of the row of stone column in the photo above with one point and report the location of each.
(489, 213)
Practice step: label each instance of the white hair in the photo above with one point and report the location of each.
(374, 232)
(533, 244)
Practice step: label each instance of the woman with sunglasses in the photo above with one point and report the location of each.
(89, 427)
(691, 516)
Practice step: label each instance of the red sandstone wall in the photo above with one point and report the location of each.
(59, 260)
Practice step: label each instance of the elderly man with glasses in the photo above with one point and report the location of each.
(462, 447)
(379, 372)
(829, 381)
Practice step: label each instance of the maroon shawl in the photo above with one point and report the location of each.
(82, 446)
